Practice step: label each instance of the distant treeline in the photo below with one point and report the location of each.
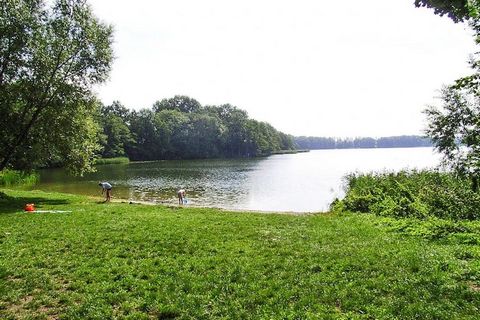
(181, 128)
(351, 143)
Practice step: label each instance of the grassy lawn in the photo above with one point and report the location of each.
(105, 261)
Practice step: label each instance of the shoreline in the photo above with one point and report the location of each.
(172, 204)
(164, 204)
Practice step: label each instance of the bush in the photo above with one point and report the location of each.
(417, 194)
(13, 177)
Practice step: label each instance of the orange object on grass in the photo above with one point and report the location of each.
(30, 207)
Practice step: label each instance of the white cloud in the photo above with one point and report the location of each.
(337, 68)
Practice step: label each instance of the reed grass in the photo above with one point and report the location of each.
(118, 160)
(10, 177)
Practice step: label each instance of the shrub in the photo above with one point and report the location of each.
(418, 194)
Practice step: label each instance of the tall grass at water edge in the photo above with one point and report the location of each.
(14, 177)
(118, 160)
(430, 204)
(418, 194)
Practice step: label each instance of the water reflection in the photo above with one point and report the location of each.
(301, 182)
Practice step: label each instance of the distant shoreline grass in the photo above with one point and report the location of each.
(118, 160)
(283, 152)
(118, 260)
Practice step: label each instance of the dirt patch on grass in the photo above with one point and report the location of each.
(14, 279)
(19, 308)
(474, 287)
(27, 307)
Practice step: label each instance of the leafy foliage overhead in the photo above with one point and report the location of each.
(49, 59)
(457, 10)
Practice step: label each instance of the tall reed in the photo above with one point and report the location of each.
(118, 160)
(10, 177)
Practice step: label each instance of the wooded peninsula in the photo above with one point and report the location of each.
(181, 128)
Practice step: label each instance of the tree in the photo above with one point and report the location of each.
(181, 128)
(172, 131)
(287, 141)
(455, 131)
(114, 120)
(144, 132)
(454, 128)
(179, 103)
(49, 59)
(117, 109)
(206, 137)
(234, 133)
(457, 10)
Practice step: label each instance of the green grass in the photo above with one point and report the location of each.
(14, 177)
(121, 261)
(118, 160)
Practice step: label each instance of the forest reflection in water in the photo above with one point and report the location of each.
(303, 182)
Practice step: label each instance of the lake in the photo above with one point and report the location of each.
(303, 182)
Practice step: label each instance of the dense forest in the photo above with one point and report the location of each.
(181, 128)
(350, 143)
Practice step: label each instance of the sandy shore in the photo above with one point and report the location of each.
(167, 204)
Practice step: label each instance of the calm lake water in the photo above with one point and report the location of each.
(304, 182)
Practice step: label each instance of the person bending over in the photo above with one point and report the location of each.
(107, 189)
(181, 196)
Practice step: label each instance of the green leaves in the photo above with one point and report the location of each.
(418, 194)
(116, 132)
(455, 127)
(49, 60)
(181, 128)
(458, 10)
(455, 131)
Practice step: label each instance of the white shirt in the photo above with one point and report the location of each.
(106, 185)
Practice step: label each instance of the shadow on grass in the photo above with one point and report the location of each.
(10, 204)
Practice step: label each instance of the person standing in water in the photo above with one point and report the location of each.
(181, 196)
(107, 189)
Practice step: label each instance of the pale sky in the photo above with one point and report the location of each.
(308, 67)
